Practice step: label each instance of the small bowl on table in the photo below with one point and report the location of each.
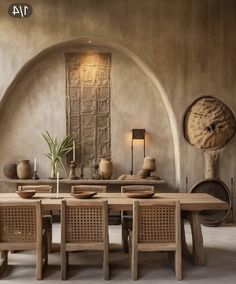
(83, 194)
(26, 194)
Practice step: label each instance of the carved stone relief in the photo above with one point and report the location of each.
(88, 104)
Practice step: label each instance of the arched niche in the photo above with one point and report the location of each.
(24, 111)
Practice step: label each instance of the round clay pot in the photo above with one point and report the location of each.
(9, 170)
(23, 169)
(143, 173)
(105, 168)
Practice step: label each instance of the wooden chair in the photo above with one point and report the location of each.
(127, 216)
(156, 227)
(94, 188)
(21, 228)
(47, 215)
(84, 226)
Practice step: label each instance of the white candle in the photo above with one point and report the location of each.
(57, 184)
(73, 150)
(35, 164)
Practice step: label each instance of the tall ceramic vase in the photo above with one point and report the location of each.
(23, 169)
(106, 168)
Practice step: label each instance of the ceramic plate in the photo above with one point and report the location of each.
(83, 194)
(140, 194)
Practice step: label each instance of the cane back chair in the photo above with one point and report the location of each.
(47, 215)
(84, 226)
(127, 216)
(156, 227)
(21, 228)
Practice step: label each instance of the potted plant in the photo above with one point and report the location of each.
(57, 151)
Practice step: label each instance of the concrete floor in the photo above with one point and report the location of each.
(220, 244)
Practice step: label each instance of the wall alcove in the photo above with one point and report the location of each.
(35, 102)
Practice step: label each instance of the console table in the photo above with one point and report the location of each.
(111, 183)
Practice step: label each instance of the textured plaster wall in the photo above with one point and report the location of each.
(37, 103)
(188, 44)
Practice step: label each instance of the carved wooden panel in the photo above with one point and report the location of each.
(88, 104)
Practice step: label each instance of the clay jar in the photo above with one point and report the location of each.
(23, 169)
(149, 163)
(105, 168)
(9, 170)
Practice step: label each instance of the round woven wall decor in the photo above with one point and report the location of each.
(209, 124)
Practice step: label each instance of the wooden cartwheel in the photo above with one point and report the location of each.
(218, 189)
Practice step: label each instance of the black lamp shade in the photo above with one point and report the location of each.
(138, 133)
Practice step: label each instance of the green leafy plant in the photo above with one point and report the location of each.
(57, 151)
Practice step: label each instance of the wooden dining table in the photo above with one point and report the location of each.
(191, 205)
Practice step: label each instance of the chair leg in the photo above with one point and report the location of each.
(124, 229)
(178, 265)
(3, 261)
(64, 262)
(106, 271)
(39, 264)
(134, 263)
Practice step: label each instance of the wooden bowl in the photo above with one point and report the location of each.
(26, 193)
(140, 194)
(83, 194)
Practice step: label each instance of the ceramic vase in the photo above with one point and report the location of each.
(106, 168)
(9, 170)
(23, 169)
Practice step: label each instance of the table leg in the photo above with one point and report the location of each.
(198, 252)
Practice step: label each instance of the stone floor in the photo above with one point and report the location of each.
(220, 244)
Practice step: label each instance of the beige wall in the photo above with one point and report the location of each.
(189, 45)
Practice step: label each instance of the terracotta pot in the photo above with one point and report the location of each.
(9, 170)
(105, 168)
(149, 163)
(23, 169)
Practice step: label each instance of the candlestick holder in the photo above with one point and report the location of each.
(35, 176)
(82, 171)
(72, 174)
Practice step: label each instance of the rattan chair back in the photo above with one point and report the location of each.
(136, 188)
(86, 188)
(38, 188)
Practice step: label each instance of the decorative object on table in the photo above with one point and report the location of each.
(138, 134)
(129, 177)
(82, 171)
(141, 194)
(72, 174)
(35, 176)
(26, 193)
(83, 194)
(9, 170)
(23, 169)
(96, 174)
(88, 85)
(57, 150)
(106, 168)
(143, 173)
(149, 165)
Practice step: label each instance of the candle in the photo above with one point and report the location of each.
(57, 184)
(35, 164)
(73, 150)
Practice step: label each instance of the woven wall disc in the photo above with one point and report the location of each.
(209, 124)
